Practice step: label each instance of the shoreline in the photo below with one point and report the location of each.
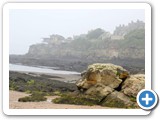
(68, 78)
(135, 66)
(40, 69)
(14, 95)
(14, 104)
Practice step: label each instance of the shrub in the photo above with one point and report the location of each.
(35, 97)
(133, 99)
(30, 82)
(76, 99)
(57, 93)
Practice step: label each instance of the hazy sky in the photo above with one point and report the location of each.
(28, 27)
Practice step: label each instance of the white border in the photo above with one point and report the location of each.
(9, 6)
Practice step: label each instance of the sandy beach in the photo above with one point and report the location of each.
(14, 104)
(58, 81)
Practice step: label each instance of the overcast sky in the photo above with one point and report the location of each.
(28, 27)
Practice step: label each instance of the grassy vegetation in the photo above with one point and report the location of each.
(114, 103)
(39, 88)
(76, 99)
(35, 97)
(29, 84)
(133, 99)
(134, 38)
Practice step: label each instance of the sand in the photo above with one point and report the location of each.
(14, 104)
(69, 78)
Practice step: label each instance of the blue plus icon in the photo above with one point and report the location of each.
(147, 99)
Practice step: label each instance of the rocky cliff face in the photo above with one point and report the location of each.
(112, 84)
(95, 46)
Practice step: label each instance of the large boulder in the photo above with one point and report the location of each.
(111, 85)
(107, 74)
(119, 100)
(133, 85)
(99, 90)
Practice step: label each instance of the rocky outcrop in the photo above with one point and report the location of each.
(99, 90)
(119, 100)
(125, 47)
(126, 42)
(112, 84)
(133, 85)
(107, 74)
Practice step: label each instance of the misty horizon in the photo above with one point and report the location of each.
(28, 27)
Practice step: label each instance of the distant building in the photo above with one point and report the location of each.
(122, 30)
(54, 39)
(106, 35)
(117, 37)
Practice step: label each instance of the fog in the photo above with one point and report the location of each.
(28, 27)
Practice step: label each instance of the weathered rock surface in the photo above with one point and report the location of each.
(106, 74)
(126, 42)
(133, 85)
(118, 99)
(112, 84)
(99, 90)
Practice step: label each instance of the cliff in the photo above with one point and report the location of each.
(95, 44)
(127, 43)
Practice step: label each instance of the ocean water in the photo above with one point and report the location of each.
(40, 69)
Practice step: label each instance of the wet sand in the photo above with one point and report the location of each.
(14, 104)
(69, 78)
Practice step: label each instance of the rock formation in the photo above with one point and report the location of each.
(133, 85)
(114, 86)
(125, 47)
(106, 74)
